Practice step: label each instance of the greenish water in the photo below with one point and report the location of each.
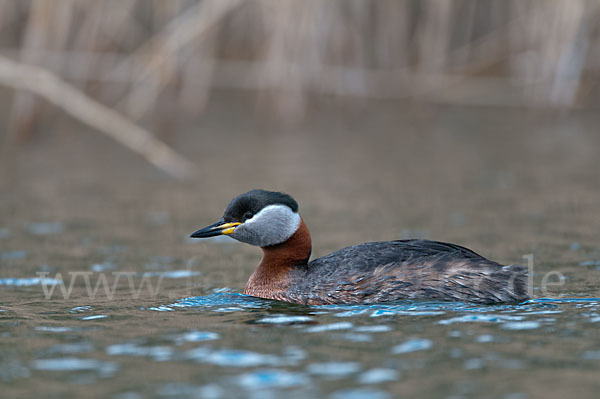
(151, 313)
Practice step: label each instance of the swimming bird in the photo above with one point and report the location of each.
(372, 272)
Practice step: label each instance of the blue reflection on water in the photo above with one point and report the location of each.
(75, 364)
(521, 325)
(266, 372)
(28, 281)
(510, 316)
(330, 327)
(333, 370)
(181, 390)
(172, 274)
(482, 318)
(218, 299)
(157, 353)
(376, 376)
(71, 348)
(562, 300)
(260, 379)
(360, 393)
(196, 336)
(412, 345)
(45, 228)
(10, 255)
(283, 319)
(232, 357)
(54, 329)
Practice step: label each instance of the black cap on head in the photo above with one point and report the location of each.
(255, 200)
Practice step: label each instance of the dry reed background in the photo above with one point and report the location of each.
(124, 59)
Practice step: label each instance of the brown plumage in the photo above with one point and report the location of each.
(271, 279)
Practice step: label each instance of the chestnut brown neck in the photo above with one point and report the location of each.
(271, 277)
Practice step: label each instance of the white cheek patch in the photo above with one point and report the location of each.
(274, 224)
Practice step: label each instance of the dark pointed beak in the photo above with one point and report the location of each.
(216, 229)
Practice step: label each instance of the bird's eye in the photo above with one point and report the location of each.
(248, 215)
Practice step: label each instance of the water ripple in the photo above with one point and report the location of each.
(56, 329)
(485, 318)
(232, 357)
(373, 328)
(412, 345)
(94, 317)
(75, 364)
(485, 338)
(222, 300)
(260, 379)
(45, 228)
(376, 376)
(181, 390)
(357, 337)
(28, 281)
(330, 327)
(172, 274)
(80, 309)
(11, 255)
(79, 347)
(284, 319)
(227, 302)
(196, 336)
(591, 355)
(590, 263)
(521, 325)
(157, 353)
(562, 300)
(333, 369)
(360, 393)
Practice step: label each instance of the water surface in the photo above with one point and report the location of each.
(151, 313)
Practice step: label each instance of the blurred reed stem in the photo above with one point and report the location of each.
(128, 54)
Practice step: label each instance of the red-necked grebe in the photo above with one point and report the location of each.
(366, 273)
